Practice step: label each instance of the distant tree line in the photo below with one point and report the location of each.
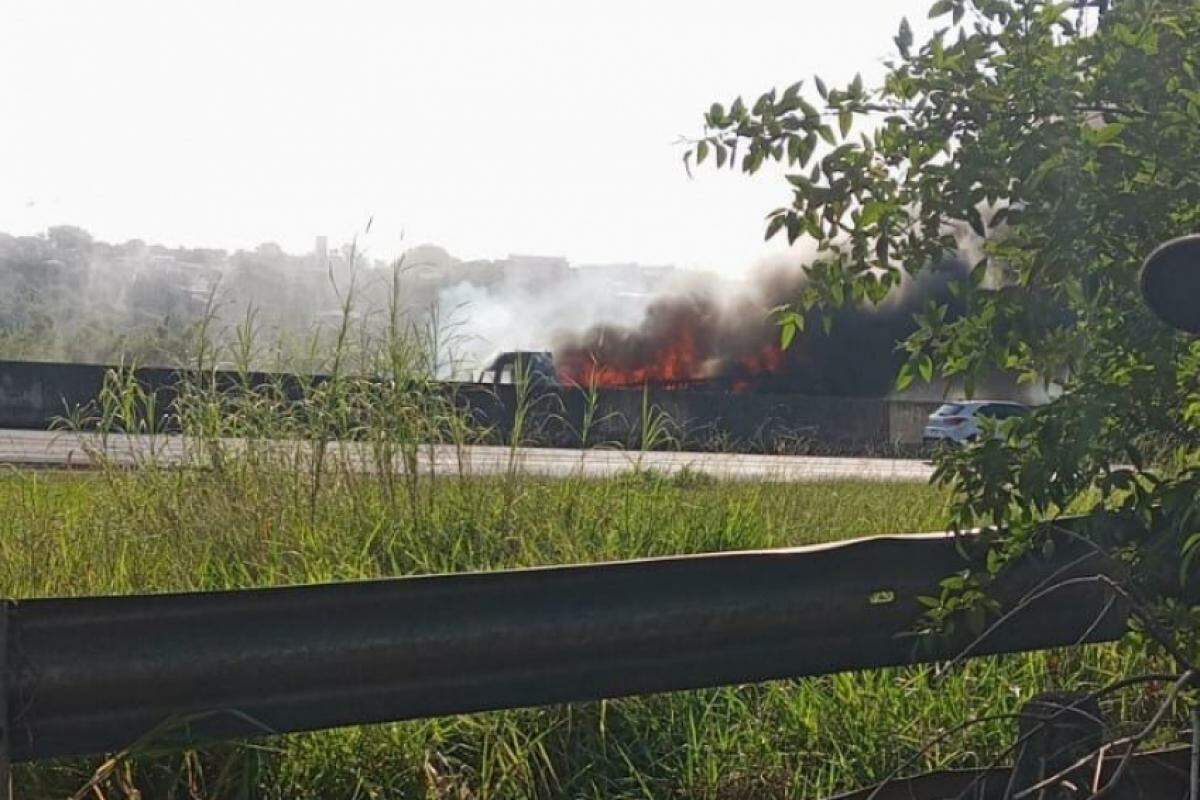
(67, 296)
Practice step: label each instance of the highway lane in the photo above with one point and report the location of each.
(66, 450)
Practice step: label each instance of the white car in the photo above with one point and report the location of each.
(961, 421)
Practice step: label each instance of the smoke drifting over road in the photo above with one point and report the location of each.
(697, 338)
(69, 297)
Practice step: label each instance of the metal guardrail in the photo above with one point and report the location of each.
(90, 675)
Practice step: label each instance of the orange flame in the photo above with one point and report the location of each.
(674, 363)
(677, 363)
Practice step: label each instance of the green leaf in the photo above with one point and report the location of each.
(1053, 11)
(752, 161)
(794, 146)
(808, 148)
(1108, 133)
(955, 582)
(904, 38)
(872, 212)
(838, 292)
(795, 228)
(787, 334)
(925, 366)
(976, 222)
(845, 120)
(941, 7)
(701, 152)
(826, 133)
(774, 225)
(821, 89)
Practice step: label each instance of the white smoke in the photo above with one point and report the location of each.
(518, 315)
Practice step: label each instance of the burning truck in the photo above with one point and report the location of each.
(535, 366)
(714, 366)
(701, 341)
(698, 340)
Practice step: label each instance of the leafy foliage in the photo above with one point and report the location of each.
(1061, 145)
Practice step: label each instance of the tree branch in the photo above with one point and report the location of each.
(1132, 741)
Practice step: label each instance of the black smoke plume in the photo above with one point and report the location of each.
(700, 340)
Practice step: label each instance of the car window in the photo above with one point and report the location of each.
(948, 409)
(1002, 411)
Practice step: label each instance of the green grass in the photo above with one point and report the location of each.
(248, 524)
(117, 532)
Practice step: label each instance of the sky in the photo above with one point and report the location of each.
(488, 127)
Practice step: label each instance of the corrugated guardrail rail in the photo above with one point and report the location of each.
(87, 675)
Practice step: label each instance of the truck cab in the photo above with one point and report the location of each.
(508, 368)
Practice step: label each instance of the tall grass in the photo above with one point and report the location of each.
(158, 530)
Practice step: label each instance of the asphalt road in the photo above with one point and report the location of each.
(60, 449)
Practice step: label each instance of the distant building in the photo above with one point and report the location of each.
(535, 272)
(165, 286)
(629, 277)
(429, 262)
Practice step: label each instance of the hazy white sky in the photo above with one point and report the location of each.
(508, 126)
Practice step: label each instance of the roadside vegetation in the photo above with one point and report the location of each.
(150, 530)
(1055, 146)
(114, 531)
(1064, 139)
(272, 497)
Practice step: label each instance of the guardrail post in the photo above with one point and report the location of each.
(1055, 730)
(5, 771)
